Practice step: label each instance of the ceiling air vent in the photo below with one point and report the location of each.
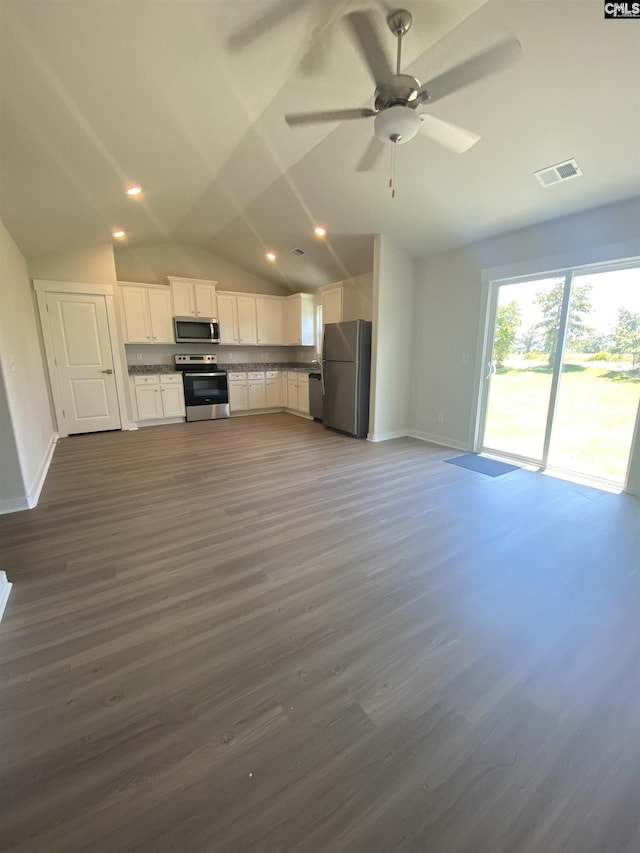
(297, 252)
(559, 172)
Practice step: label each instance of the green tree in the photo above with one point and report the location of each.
(550, 305)
(507, 324)
(529, 339)
(626, 335)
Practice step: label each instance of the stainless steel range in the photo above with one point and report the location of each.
(206, 392)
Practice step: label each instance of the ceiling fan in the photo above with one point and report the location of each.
(398, 96)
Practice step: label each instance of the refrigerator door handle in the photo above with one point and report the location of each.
(324, 361)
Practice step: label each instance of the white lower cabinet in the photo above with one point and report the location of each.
(148, 399)
(303, 393)
(172, 395)
(238, 391)
(298, 392)
(268, 389)
(257, 390)
(158, 396)
(273, 385)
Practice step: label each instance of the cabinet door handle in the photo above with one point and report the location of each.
(108, 370)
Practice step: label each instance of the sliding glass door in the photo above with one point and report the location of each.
(518, 377)
(562, 382)
(600, 389)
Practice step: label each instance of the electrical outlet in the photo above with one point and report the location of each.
(139, 356)
(440, 417)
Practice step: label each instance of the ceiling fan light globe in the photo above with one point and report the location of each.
(396, 125)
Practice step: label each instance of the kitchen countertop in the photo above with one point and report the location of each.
(303, 367)
(142, 369)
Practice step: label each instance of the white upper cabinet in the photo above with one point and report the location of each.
(147, 314)
(237, 318)
(247, 329)
(299, 312)
(205, 298)
(339, 302)
(161, 315)
(137, 323)
(228, 318)
(194, 297)
(269, 320)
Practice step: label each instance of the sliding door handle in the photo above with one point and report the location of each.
(491, 370)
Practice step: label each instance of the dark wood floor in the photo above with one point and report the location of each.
(258, 635)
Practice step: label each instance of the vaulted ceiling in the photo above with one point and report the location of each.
(188, 99)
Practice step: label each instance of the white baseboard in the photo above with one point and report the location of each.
(41, 476)
(30, 500)
(5, 589)
(156, 422)
(438, 439)
(386, 436)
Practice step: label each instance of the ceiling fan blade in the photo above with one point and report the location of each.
(366, 38)
(260, 24)
(481, 65)
(319, 39)
(294, 119)
(454, 138)
(371, 156)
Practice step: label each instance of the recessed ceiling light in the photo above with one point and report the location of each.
(270, 256)
(319, 231)
(119, 234)
(134, 190)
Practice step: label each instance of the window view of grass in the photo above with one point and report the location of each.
(600, 380)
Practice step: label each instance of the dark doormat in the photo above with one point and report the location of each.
(482, 465)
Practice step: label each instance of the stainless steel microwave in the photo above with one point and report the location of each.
(196, 330)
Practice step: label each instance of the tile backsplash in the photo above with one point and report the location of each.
(163, 353)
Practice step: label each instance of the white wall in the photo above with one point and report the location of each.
(152, 264)
(93, 265)
(393, 297)
(25, 383)
(13, 495)
(364, 304)
(449, 304)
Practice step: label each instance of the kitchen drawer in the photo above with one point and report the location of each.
(256, 374)
(236, 376)
(150, 379)
(303, 378)
(272, 374)
(171, 379)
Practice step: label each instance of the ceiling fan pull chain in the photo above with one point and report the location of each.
(392, 179)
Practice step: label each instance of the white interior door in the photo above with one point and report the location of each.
(83, 361)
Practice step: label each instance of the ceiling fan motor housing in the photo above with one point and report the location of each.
(396, 125)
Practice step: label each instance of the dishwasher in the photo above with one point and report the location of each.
(315, 396)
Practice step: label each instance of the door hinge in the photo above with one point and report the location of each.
(64, 414)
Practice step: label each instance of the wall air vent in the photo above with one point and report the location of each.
(297, 252)
(559, 172)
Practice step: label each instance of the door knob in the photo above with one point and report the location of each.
(108, 370)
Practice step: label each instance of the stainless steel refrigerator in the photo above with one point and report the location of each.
(346, 371)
